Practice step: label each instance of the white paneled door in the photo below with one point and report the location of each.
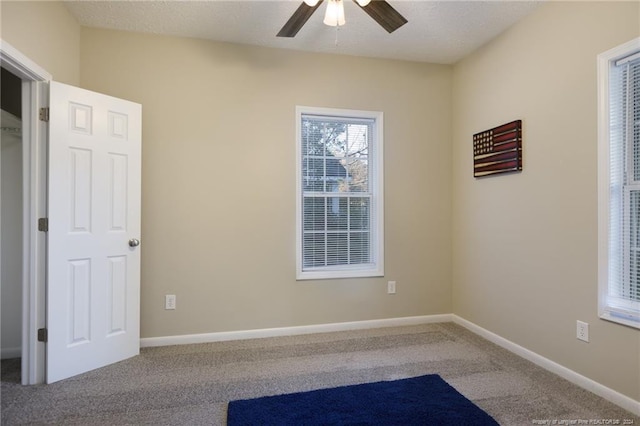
(93, 257)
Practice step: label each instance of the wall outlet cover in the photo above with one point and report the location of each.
(582, 331)
(170, 301)
(391, 287)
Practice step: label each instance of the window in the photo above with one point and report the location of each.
(619, 184)
(339, 193)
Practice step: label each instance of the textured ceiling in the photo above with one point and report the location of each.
(437, 31)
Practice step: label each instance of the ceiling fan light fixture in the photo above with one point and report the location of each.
(379, 10)
(334, 16)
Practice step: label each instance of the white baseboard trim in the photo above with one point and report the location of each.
(609, 394)
(291, 331)
(8, 353)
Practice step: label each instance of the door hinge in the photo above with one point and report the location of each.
(44, 114)
(43, 335)
(43, 224)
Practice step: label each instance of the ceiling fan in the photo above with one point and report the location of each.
(379, 10)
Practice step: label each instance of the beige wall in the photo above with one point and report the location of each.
(219, 179)
(46, 33)
(525, 245)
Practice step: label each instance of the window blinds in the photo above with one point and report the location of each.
(336, 191)
(623, 298)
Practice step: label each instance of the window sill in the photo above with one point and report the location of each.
(627, 320)
(339, 274)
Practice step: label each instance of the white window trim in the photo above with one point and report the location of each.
(605, 310)
(377, 207)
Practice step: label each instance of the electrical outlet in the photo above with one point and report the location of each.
(170, 301)
(391, 287)
(582, 331)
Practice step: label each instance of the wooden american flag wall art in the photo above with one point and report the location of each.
(498, 150)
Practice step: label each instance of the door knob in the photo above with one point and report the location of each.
(134, 242)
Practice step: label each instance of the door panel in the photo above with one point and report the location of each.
(93, 275)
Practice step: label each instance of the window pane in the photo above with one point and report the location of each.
(335, 170)
(314, 250)
(311, 136)
(337, 213)
(634, 124)
(358, 169)
(314, 213)
(631, 289)
(313, 174)
(636, 150)
(359, 213)
(359, 243)
(337, 245)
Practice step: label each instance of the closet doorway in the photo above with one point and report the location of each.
(11, 215)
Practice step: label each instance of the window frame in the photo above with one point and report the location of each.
(376, 189)
(610, 308)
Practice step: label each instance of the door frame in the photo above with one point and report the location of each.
(34, 162)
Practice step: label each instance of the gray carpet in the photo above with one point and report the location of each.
(192, 384)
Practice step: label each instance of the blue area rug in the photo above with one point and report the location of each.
(424, 400)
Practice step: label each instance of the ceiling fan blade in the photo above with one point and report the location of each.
(384, 14)
(298, 19)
